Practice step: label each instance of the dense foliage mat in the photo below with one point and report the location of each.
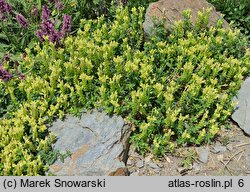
(23, 22)
(237, 12)
(175, 89)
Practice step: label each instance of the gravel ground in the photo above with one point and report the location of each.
(228, 155)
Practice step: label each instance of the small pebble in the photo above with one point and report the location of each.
(220, 157)
(229, 147)
(135, 173)
(160, 165)
(157, 170)
(196, 167)
(148, 158)
(139, 163)
(182, 170)
(218, 149)
(129, 162)
(168, 159)
(203, 154)
(153, 165)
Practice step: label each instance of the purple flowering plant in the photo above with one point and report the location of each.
(16, 28)
(23, 23)
(48, 27)
(4, 74)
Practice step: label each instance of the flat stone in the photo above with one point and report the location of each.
(139, 163)
(203, 154)
(211, 165)
(153, 165)
(218, 149)
(220, 157)
(148, 158)
(136, 173)
(98, 144)
(229, 147)
(157, 170)
(182, 170)
(168, 159)
(196, 167)
(129, 162)
(241, 114)
(172, 12)
(160, 165)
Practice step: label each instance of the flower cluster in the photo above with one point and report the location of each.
(4, 8)
(66, 26)
(59, 5)
(48, 28)
(45, 13)
(4, 75)
(22, 21)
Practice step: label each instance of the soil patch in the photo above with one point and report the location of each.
(228, 155)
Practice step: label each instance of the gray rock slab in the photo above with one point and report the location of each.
(98, 143)
(241, 114)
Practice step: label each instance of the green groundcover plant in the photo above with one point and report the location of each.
(20, 20)
(237, 12)
(22, 24)
(175, 89)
